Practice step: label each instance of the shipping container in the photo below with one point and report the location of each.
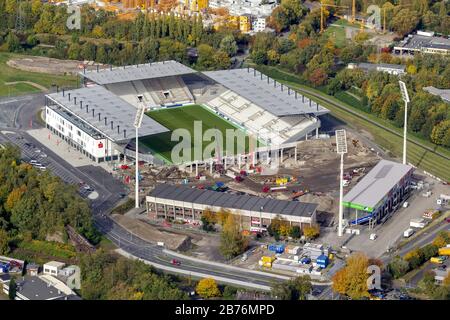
(445, 251)
(322, 261)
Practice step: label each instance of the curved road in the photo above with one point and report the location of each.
(25, 118)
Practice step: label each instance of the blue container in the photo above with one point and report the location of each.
(322, 261)
(305, 260)
(279, 248)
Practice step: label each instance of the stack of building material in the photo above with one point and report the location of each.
(295, 250)
(314, 250)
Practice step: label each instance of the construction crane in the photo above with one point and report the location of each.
(353, 19)
(322, 9)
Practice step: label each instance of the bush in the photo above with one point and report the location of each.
(229, 292)
(398, 267)
(124, 207)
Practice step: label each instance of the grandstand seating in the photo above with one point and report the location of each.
(155, 92)
(259, 121)
(169, 90)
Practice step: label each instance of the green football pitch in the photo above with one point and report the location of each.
(184, 117)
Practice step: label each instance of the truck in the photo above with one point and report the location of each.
(418, 223)
(428, 214)
(438, 260)
(408, 233)
(445, 251)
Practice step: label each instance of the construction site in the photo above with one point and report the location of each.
(294, 180)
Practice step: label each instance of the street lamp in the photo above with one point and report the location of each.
(405, 98)
(341, 148)
(137, 125)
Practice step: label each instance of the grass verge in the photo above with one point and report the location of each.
(9, 74)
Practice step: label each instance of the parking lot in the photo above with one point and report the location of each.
(391, 231)
(31, 152)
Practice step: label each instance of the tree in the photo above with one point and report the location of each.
(228, 45)
(4, 242)
(229, 292)
(294, 289)
(414, 258)
(206, 55)
(446, 281)
(232, 242)
(207, 288)
(352, 279)
(12, 289)
(398, 267)
(440, 131)
(405, 21)
(277, 225)
(12, 42)
(318, 77)
(295, 232)
(311, 232)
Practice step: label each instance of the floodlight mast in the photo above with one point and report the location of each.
(341, 148)
(137, 125)
(405, 98)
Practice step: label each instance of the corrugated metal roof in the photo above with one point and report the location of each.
(377, 183)
(227, 200)
(137, 72)
(263, 92)
(93, 104)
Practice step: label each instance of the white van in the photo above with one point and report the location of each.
(408, 233)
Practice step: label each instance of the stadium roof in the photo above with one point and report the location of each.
(417, 42)
(443, 93)
(374, 66)
(376, 184)
(137, 72)
(232, 201)
(261, 90)
(93, 104)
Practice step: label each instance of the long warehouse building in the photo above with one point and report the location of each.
(379, 193)
(188, 204)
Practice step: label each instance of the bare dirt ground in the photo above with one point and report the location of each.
(150, 233)
(49, 65)
(317, 172)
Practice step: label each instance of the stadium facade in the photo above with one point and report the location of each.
(98, 118)
(188, 204)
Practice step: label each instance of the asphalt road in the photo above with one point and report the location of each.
(22, 116)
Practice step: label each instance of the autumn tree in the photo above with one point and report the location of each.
(228, 45)
(232, 241)
(294, 289)
(4, 242)
(278, 226)
(207, 288)
(352, 279)
(311, 232)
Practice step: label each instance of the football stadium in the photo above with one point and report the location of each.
(98, 118)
